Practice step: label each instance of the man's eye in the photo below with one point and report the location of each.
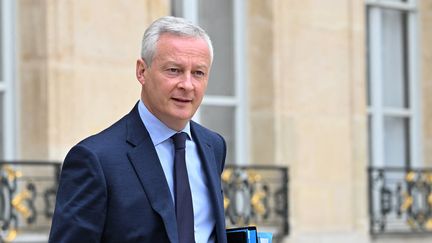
(173, 70)
(199, 73)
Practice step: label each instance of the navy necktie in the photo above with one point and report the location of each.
(182, 192)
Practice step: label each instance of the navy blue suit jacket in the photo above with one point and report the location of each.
(113, 188)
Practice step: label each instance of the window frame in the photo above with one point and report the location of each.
(7, 84)
(376, 109)
(239, 100)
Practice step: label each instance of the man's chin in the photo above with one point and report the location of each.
(183, 113)
(184, 117)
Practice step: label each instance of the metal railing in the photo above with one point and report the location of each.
(27, 196)
(257, 195)
(400, 201)
(254, 195)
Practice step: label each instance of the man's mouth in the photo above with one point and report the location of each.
(183, 100)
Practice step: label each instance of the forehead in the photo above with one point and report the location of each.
(173, 45)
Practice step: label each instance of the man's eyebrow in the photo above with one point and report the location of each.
(202, 66)
(177, 64)
(170, 63)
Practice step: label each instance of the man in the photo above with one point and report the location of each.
(123, 185)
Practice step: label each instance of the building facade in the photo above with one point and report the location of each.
(330, 89)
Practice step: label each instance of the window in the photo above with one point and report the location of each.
(223, 108)
(7, 111)
(393, 93)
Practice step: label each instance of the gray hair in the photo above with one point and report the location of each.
(172, 25)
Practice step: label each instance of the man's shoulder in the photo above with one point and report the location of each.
(213, 139)
(198, 128)
(210, 135)
(111, 136)
(113, 133)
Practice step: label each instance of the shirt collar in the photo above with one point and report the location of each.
(158, 131)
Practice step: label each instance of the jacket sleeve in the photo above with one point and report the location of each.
(80, 209)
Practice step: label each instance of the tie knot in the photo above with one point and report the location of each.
(179, 140)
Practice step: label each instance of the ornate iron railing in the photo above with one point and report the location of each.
(257, 195)
(400, 200)
(27, 196)
(254, 195)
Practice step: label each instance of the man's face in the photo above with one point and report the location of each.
(173, 87)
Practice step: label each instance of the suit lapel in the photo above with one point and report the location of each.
(212, 171)
(145, 161)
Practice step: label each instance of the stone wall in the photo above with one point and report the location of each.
(261, 81)
(321, 115)
(77, 68)
(306, 83)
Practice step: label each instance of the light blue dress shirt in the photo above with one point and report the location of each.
(160, 135)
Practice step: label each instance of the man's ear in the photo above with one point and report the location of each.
(141, 67)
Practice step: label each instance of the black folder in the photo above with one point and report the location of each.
(242, 235)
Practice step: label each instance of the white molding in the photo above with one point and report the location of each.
(239, 100)
(190, 10)
(375, 59)
(377, 110)
(392, 112)
(404, 6)
(241, 128)
(396, 112)
(220, 100)
(416, 143)
(17, 86)
(8, 40)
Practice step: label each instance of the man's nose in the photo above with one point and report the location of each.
(186, 81)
